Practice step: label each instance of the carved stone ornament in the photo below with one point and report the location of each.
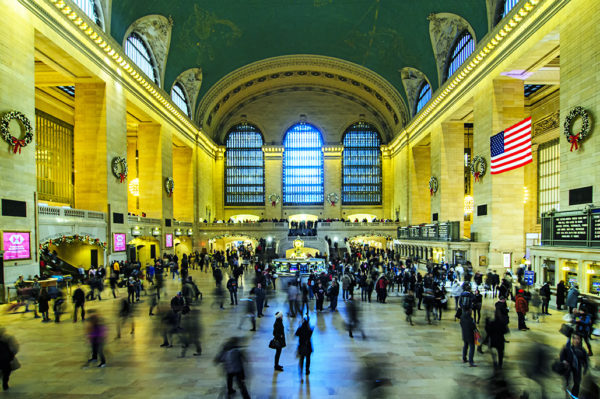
(547, 123)
(411, 80)
(156, 29)
(443, 30)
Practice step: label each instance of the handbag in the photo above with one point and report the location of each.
(566, 330)
(275, 344)
(477, 336)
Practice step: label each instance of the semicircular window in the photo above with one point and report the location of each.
(303, 166)
(137, 50)
(90, 8)
(361, 165)
(508, 6)
(424, 96)
(462, 49)
(244, 166)
(180, 99)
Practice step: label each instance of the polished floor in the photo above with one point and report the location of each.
(423, 361)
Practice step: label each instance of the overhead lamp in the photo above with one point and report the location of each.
(134, 187)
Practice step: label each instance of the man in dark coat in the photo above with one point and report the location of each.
(304, 334)
(78, 302)
(468, 328)
(545, 294)
(232, 287)
(576, 360)
(259, 292)
(561, 292)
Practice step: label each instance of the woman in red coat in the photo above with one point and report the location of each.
(522, 308)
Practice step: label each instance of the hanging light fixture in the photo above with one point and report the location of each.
(468, 204)
(134, 187)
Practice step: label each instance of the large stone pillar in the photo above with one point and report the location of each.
(447, 164)
(332, 167)
(18, 182)
(419, 174)
(183, 175)
(579, 86)
(219, 185)
(150, 172)
(273, 180)
(497, 106)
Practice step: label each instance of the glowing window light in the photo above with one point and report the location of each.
(468, 204)
(134, 187)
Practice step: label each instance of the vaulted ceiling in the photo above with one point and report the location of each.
(220, 36)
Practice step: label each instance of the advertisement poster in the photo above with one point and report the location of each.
(507, 259)
(16, 245)
(169, 240)
(119, 242)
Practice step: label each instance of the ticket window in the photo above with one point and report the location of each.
(571, 278)
(593, 275)
(549, 272)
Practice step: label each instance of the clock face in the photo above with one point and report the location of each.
(298, 244)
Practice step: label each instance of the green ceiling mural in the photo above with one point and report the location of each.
(220, 36)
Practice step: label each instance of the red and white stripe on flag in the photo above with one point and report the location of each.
(511, 148)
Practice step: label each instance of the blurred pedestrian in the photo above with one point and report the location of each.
(576, 360)
(191, 331)
(573, 297)
(353, 318)
(305, 348)
(561, 292)
(78, 302)
(96, 332)
(8, 362)
(232, 358)
(409, 305)
(278, 339)
(125, 314)
(468, 329)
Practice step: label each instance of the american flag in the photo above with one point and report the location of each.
(511, 148)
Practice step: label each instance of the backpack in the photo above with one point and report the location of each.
(466, 301)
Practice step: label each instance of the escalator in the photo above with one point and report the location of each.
(54, 266)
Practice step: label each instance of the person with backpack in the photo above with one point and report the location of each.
(78, 302)
(468, 329)
(232, 287)
(521, 307)
(575, 360)
(465, 300)
(477, 303)
(545, 294)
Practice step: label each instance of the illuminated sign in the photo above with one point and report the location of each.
(16, 245)
(169, 240)
(119, 242)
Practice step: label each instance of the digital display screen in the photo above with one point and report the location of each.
(16, 245)
(119, 242)
(169, 240)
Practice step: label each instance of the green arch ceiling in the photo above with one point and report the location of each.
(220, 36)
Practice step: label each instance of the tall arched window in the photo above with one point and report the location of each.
(244, 166)
(361, 165)
(423, 96)
(138, 51)
(180, 99)
(462, 49)
(508, 5)
(90, 8)
(303, 166)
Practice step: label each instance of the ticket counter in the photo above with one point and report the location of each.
(569, 273)
(593, 279)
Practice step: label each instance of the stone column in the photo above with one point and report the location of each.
(19, 178)
(273, 180)
(447, 164)
(150, 162)
(497, 106)
(183, 175)
(332, 165)
(219, 185)
(419, 174)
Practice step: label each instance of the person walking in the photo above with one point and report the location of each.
(8, 362)
(468, 328)
(573, 297)
(495, 331)
(278, 339)
(259, 293)
(576, 361)
(233, 360)
(320, 294)
(305, 348)
(545, 294)
(346, 280)
(232, 287)
(78, 302)
(561, 292)
(409, 305)
(522, 307)
(96, 332)
(43, 305)
(334, 292)
(477, 303)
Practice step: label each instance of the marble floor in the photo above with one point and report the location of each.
(423, 361)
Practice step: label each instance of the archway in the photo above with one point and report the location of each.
(147, 249)
(67, 254)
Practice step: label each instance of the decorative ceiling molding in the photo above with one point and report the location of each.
(412, 79)
(313, 70)
(374, 116)
(191, 80)
(443, 31)
(156, 30)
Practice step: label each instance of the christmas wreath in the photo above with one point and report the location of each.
(169, 186)
(274, 199)
(585, 127)
(119, 168)
(9, 138)
(333, 198)
(433, 185)
(478, 167)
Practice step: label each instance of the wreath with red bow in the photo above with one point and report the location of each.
(119, 168)
(169, 186)
(433, 185)
(9, 138)
(574, 139)
(478, 167)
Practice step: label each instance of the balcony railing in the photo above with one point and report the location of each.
(55, 211)
(142, 220)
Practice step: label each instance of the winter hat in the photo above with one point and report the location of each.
(279, 315)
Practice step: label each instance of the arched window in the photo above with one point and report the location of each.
(361, 165)
(244, 166)
(423, 96)
(180, 99)
(138, 51)
(462, 49)
(508, 5)
(303, 166)
(90, 8)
